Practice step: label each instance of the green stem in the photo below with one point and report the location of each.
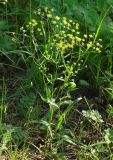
(16, 18)
(101, 22)
(6, 13)
(30, 18)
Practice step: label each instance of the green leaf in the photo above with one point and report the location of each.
(25, 106)
(110, 2)
(68, 139)
(110, 110)
(93, 115)
(6, 42)
(72, 86)
(84, 83)
(108, 135)
(100, 148)
(4, 25)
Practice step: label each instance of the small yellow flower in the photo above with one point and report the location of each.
(89, 45)
(33, 22)
(62, 32)
(73, 30)
(39, 10)
(54, 22)
(57, 18)
(83, 43)
(57, 35)
(70, 45)
(100, 40)
(78, 33)
(24, 31)
(98, 44)
(21, 28)
(78, 39)
(41, 33)
(65, 35)
(64, 18)
(69, 25)
(98, 50)
(49, 15)
(70, 21)
(13, 33)
(91, 36)
(46, 9)
(73, 42)
(77, 26)
(64, 21)
(39, 29)
(60, 44)
(54, 40)
(85, 36)
(70, 36)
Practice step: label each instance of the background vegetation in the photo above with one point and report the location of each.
(56, 79)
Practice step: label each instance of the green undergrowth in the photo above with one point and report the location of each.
(56, 80)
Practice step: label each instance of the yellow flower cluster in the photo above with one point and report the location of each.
(65, 38)
(33, 23)
(68, 39)
(22, 29)
(44, 12)
(68, 35)
(64, 33)
(98, 46)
